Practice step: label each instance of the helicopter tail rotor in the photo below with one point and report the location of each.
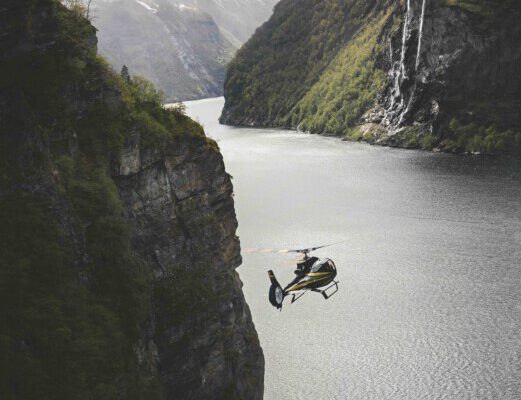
(276, 294)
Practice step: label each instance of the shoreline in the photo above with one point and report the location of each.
(487, 156)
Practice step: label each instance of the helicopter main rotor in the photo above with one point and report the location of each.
(305, 252)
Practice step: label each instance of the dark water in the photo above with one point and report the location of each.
(430, 296)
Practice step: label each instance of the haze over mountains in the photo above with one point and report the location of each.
(183, 48)
(237, 19)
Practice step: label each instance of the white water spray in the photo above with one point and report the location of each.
(404, 38)
(401, 67)
(420, 35)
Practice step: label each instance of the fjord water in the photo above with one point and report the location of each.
(429, 305)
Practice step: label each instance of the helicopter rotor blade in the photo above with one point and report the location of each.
(310, 249)
(265, 250)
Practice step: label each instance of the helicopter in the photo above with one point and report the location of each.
(312, 274)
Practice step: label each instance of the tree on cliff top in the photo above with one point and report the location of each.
(79, 7)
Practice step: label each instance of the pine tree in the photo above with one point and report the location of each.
(125, 74)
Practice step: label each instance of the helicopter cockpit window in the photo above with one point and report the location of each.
(318, 265)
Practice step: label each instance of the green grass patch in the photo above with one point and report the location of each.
(474, 138)
(347, 88)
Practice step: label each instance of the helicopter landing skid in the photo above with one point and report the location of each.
(296, 297)
(324, 292)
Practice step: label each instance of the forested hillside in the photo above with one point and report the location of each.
(113, 211)
(416, 73)
(287, 56)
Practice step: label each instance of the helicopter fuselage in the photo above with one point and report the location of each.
(312, 273)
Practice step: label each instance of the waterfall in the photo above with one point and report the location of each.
(420, 35)
(399, 74)
(402, 97)
(404, 38)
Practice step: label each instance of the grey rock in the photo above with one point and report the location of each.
(181, 208)
(450, 64)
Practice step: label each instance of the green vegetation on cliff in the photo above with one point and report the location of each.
(474, 138)
(455, 61)
(347, 88)
(490, 9)
(286, 57)
(73, 295)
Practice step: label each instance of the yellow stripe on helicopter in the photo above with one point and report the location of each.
(303, 284)
(318, 273)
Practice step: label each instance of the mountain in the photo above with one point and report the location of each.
(237, 19)
(433, 74)
(182, 47)
(178, 47)
(118, 230)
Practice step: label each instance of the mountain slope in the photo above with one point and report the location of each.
(179, 48)
(286, 57)
(237, 19)
(419, 73)
(182, 47)
(117, 269)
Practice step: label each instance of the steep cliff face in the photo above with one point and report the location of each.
(181, 209)
(453, 62)
(117, 269)
(419, 73)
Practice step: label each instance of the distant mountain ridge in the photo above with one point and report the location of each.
(182, 47)
(237, 19)
(179, 48)
(432, 74)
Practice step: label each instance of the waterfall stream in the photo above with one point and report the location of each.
(404, 39)
(420, 35)
(399, 104)
(398, 76)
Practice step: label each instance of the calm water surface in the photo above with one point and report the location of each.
(429, 305)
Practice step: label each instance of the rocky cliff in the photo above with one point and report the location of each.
(418, 73)
(117, 269)
(452, 79)
(180, 207)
